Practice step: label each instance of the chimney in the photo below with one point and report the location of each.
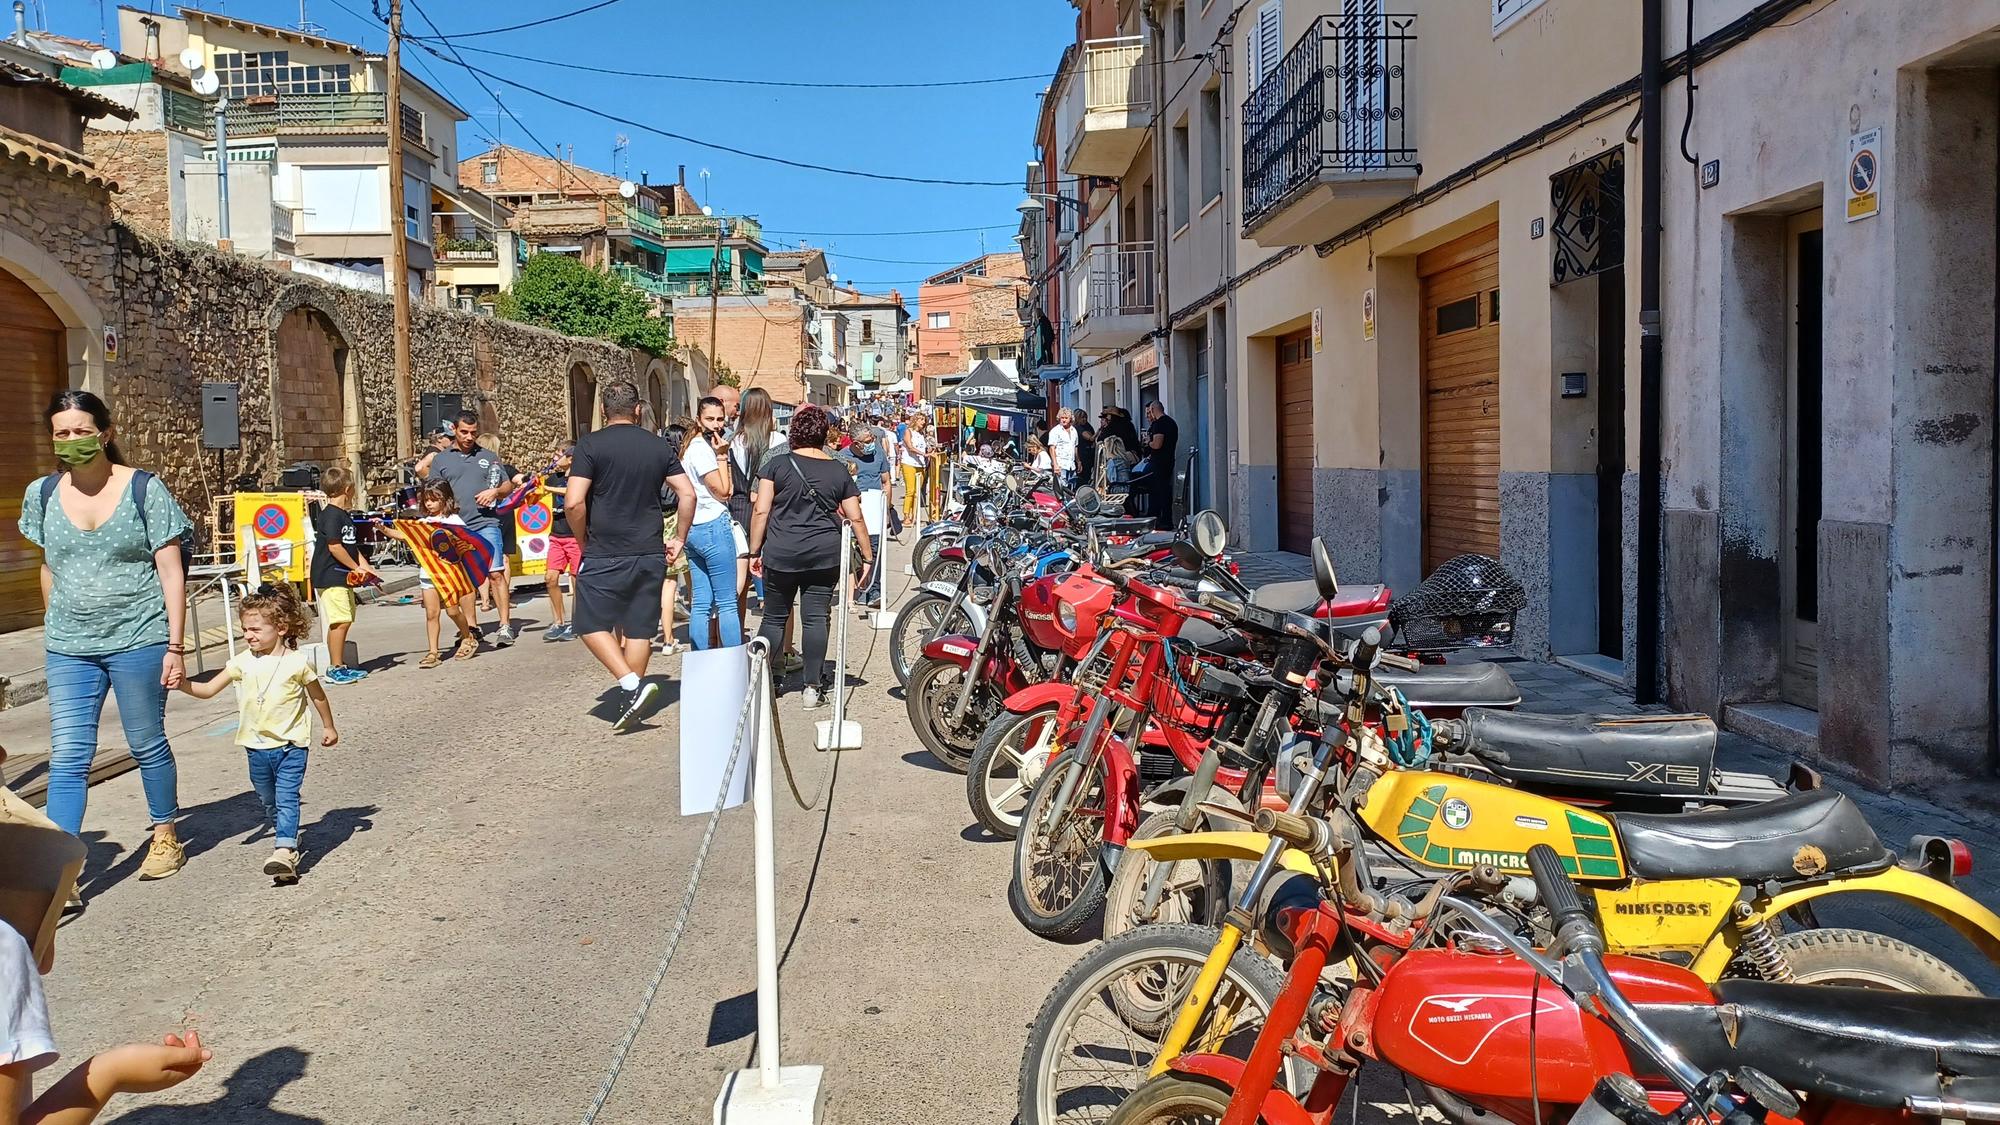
(152, 39)
(20, 23)
(643, 181)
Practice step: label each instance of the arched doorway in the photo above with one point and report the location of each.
(318, 399)
(34, 365)
(582, 400)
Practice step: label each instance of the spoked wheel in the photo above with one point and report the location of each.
(1099, 1030)
(917, 623)
(925, 556)
(1175, 1099)
(947, 571)
(1009, 759)
(932, 693)
(1195, 890)
(1058, 878)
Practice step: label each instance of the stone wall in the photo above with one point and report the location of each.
(137, 161)
(186, 314)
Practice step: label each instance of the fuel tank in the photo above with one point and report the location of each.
(1445, 821)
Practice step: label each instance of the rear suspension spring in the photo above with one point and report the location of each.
(1760, 946)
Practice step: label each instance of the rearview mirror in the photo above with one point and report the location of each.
(1210, 534)
(1188, 555)
(1323, 576)
(1086, 501)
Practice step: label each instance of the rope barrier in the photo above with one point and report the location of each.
(757, 668)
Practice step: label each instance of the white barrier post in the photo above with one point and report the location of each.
(771, 1094)
(885, 617)
(840, 732)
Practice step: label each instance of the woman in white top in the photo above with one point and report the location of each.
(916, 458)
(1038, 456)
(711, 543)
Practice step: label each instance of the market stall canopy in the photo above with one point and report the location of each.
(987, 387)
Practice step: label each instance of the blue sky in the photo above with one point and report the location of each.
(965, 133)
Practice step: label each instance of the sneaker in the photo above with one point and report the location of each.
(344, 675)
(283, 864)
(816, 698)
(635, 702)
(672, 648)
(431, 660)
(468, 646)
(793, 662)
(356, 675)
(165, 857)
(556, 633)
(506, 635)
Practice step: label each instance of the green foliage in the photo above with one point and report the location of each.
(725, 377)
(557, 291)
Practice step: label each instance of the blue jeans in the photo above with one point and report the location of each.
(276, 774)
(711, 549)
(77, 687)
(494, 543)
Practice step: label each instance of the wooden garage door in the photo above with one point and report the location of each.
(33, 359)
(1461, 334)
(1295, 442)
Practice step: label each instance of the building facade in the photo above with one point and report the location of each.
(969, 313)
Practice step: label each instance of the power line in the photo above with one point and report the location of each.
(441, 37)
(699, 143)
(889, 233)
(750, 81)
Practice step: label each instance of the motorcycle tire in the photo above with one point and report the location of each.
(932, 691)
(916, 623)
(1057, 904)
(927, 551)
(994, 778)
(947, 571)
(1862, 959)
(1134, 984)
(1172, 1099)
(1197, 890)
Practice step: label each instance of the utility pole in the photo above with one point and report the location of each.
(399, 251)
(222, 240)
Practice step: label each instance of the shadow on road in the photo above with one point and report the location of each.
(334, 828)
(923, 758)
(246, 1096)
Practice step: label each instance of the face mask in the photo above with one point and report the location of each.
(80, 451)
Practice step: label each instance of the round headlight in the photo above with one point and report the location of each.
(988, 514)
(1066, 616)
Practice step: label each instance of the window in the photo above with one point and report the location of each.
(245, 74)
(416, 207)
(1267, 40)
(1506, 13)
(489, 172)
(937, 320)
(1178, 188)
(1179, 26)
(1211, 143)
(1493, 307)
(1458, 315)
(867, 330)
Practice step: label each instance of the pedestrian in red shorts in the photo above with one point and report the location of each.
(564, 553)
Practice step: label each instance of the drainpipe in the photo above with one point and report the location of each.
(1652, 72)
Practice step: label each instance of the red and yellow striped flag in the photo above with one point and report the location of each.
(455, 560)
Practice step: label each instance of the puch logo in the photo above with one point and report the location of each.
(1506, 861)
(1660, 773)
(1665, 909)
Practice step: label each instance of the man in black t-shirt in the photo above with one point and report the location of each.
(1162, 434)
(613, 507)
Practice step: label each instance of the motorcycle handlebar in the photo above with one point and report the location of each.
(1367, 649)
(1301, 832)
(1553, 884)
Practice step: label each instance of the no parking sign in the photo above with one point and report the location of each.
(531, 535)
(271, 529)
(1864, 174)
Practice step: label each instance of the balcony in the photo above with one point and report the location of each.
(644, 222)
(698, 287)
(643, 278)
(271, 114)
(474, 251)
(1113, 289)
(1117, 107)
(1326, 139)
(686, 227)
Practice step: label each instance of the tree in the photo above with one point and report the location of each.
(559, 292)
(726, 377)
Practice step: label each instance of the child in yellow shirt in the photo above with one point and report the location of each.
(275, 681)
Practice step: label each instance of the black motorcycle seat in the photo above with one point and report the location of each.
(1123, 525)
(1808, 833)
(1861, 1045)
(1213, 639)
(1440, 687)
(1138, 548)
(1651, 754)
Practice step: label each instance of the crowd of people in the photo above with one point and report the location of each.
(1112, 456)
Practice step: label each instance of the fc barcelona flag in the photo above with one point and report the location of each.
(455, 560)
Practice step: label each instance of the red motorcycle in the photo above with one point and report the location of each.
(1491, 1027)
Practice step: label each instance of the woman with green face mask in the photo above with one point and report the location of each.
(116, 595)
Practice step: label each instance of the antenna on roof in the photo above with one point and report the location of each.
(306, 25)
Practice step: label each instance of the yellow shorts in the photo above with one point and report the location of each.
(337, 605)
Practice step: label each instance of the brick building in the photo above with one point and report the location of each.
(969, 313)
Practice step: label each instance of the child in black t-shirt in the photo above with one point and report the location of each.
(337, 566)
(564, 556)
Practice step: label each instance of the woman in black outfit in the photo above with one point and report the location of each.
(802, 497)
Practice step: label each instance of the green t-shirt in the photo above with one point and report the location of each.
(107, 595)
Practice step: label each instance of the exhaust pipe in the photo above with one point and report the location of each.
(20, 23)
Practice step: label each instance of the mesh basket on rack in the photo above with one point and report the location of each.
(1469, 602)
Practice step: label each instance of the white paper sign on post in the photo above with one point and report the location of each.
(721, 677)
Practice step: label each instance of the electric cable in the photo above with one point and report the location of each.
(721, 81)
(441, 37)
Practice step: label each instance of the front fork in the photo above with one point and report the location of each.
(1186, 819)
(980, 656)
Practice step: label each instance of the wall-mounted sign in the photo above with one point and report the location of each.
(1864, 174)
(1318, 337)
(110, 344)
(1368, 314)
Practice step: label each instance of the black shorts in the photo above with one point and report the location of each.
(620, 592)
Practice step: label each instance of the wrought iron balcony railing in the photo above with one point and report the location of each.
(1335, 104)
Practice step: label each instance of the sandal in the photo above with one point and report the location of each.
(468, 645)
(431, 660)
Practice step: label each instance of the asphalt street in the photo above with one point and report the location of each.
(489, 881)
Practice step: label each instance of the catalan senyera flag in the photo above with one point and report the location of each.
(455, 560)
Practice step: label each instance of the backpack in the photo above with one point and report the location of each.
(141, 479)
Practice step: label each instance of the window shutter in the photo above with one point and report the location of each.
(1267, 40)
